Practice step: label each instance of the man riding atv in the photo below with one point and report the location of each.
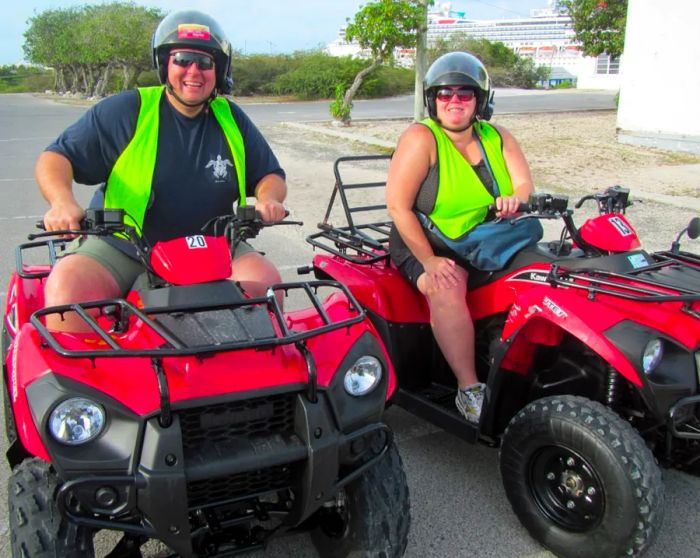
(186, 407)
(172, 156)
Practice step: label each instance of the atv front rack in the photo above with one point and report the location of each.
(168, 343)
(360, 243)
(54, 246)
(671, 278)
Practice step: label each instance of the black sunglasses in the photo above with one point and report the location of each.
(184, 59)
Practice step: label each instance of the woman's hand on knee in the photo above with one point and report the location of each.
(441, 273)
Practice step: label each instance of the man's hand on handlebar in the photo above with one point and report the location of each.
(63, 216)
(270, 211)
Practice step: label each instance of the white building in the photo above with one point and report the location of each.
(660, 86)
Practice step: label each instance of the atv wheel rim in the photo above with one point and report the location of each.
(566, 488)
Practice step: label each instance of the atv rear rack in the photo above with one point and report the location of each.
(363, 243)
(167, 343)
(671, 278)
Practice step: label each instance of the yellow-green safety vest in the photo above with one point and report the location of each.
(130, 182)
(462, 199)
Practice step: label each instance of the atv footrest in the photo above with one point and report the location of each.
(436, 404)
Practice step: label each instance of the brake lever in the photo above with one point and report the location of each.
(63, 232)
(284, 223)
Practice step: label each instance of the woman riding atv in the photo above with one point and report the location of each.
(446, 172)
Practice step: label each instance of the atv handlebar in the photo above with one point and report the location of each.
(611, 200)
(245, 224)
(95, 222)
(542, 206)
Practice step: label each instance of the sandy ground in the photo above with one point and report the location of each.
(571, 153)
(579, 152)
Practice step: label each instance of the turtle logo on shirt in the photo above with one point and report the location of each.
(220, 170)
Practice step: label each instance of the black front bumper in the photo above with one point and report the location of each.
(172, 486)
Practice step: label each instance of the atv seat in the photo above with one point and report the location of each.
(546, 252)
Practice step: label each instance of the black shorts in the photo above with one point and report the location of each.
(408, 265)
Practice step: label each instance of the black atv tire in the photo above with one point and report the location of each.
(581, 479)
(36, 526)
(376, 518)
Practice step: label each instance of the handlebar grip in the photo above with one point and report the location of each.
(83, 225)
(579, 203)
(524, 207)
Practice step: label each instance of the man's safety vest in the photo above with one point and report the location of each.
(130, 182)
(462, 199)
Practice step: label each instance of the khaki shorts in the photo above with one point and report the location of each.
(123, 267)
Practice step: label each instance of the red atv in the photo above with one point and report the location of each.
(590, 348)
(194, 414)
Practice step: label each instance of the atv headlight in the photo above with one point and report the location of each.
(76, 421)
(363, 376)
(653, 352)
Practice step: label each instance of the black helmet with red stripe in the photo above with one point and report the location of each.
(193, 29)
(459, 68)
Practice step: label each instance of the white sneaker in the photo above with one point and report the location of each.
(470, 400)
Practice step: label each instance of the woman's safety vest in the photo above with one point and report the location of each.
(130, 182)
(462, 199)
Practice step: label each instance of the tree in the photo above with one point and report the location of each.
(378, 27)
(50, 41)
(505, 67)
(85, 45)
(421, 64)
(599, 25)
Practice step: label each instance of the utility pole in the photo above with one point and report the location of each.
(420, 66)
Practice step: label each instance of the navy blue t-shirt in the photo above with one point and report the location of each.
(195, 177)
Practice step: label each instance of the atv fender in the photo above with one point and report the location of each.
(26, 430)
(573, 314)
(25, 296)
(379, 287)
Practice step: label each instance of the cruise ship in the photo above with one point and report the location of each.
(547, 36)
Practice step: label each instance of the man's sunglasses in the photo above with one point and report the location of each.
(463, 94)
(185, 58)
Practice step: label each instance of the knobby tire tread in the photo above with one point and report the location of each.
(379, 508)
(582, 420)
(37, 528)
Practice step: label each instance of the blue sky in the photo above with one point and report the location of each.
(253, 26)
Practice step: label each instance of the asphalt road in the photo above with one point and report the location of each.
(458, 505)
(506, 101)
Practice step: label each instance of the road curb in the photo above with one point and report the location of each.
(342, 135)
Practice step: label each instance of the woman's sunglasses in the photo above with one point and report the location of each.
(464, 95)
(184, 59)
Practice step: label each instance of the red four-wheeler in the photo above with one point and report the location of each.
(590, 348)
(194, 414)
